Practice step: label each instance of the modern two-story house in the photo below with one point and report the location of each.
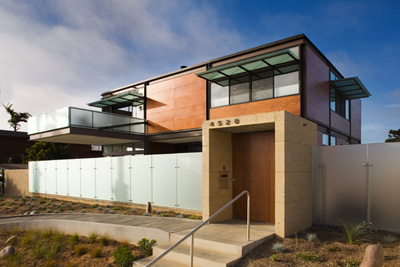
(254, 115)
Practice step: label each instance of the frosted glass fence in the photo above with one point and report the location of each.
(359, 183)
(170, 180)
(78, 117)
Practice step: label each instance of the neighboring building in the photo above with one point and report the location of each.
(236, 110)
(13, 146)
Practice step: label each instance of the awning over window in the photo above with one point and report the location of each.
(250, 65)
(128, 98)
(352, 88)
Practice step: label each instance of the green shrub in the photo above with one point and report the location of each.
(96, 253)
(146, 246)
(389, 239)
(104, 240)
(80, 250)
(73, 240)
(14, 260)
(273, 257)
(123, 256)
(92, 237)
(354, 233)
(312, 237)
(308, 256)
(279, 247)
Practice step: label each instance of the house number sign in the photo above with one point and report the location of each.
(226, 122)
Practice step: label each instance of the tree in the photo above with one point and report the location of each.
(394, 136)
(16, 117)
(46, 151)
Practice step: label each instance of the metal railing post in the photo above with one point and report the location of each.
(248, 216)
(191, 250)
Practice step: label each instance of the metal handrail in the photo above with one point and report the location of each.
(201, 225)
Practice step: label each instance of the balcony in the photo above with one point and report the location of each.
(81, 126)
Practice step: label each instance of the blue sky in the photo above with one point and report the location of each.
(65, 53)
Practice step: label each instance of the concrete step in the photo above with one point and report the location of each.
(224, 239)
(163, 262)
(202, 257)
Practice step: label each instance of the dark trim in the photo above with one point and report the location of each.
(208, 94)
(303, 81)
(174, 135)
(13, 134)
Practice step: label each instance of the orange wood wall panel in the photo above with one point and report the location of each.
(176, 104)
(356, 118)
(289, 103)
(317, 93)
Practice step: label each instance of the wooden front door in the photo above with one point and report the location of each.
(254, 170)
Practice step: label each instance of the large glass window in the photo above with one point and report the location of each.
(262, 85)
(338, 102)
(240, 90)
(219, 95)
(286, 84)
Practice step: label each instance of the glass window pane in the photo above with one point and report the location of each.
(347, 111)
(262, 88)
(219, 95)
(295, 50)
(240, 93)
(287, 84)
(325, 139)
(333, 141)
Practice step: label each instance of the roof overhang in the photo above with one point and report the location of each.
(352, 88)
(85, 136)
(120, 100)
(271, 60)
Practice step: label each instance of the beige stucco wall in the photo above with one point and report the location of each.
(294, 138)
(16, 182)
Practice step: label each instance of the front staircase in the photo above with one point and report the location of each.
(221, 244)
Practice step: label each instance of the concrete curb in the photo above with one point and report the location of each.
(130, 234)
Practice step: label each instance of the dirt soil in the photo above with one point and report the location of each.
(329, 249)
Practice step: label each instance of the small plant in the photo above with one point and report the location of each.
(14, 260)
(312, 237)
(166, 214)
(99, 208)
(92, 238)
(279, 247)
(308, 256)
(133, 210)
(73, 240)
(181, 216)
(146, 246)
(145, 214)
(354, 233)
(273, 257)
(83, 210)
(83, 206)
(333, 248)
(104, 240)
(350, 263)
(389, 239)
(123, 256)
(96, 253)
(116, 208)
(94, 206)
(80, 250)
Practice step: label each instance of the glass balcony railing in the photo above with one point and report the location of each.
(77, 117)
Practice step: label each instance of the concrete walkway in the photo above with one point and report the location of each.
(129, 228)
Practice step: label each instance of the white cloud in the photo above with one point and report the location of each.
(65, 53)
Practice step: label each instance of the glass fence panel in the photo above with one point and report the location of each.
(141, 179)
(385, 185)
(120, 120)
(62, 177)
(51, 177)
(57, 119)
(101, 120)
(121, 173)
(81, 117)
(74, 177)
(41, 175)
(190, 180)
(164, 180)
(346, 182)
(137, 128)
(32, 176)
(87, 178)
(104, 186)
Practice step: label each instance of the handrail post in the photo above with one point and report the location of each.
(191, 250)
(248, 216)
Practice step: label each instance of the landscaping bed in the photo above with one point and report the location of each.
(11, 206)
(52, 248)
(323, 246)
